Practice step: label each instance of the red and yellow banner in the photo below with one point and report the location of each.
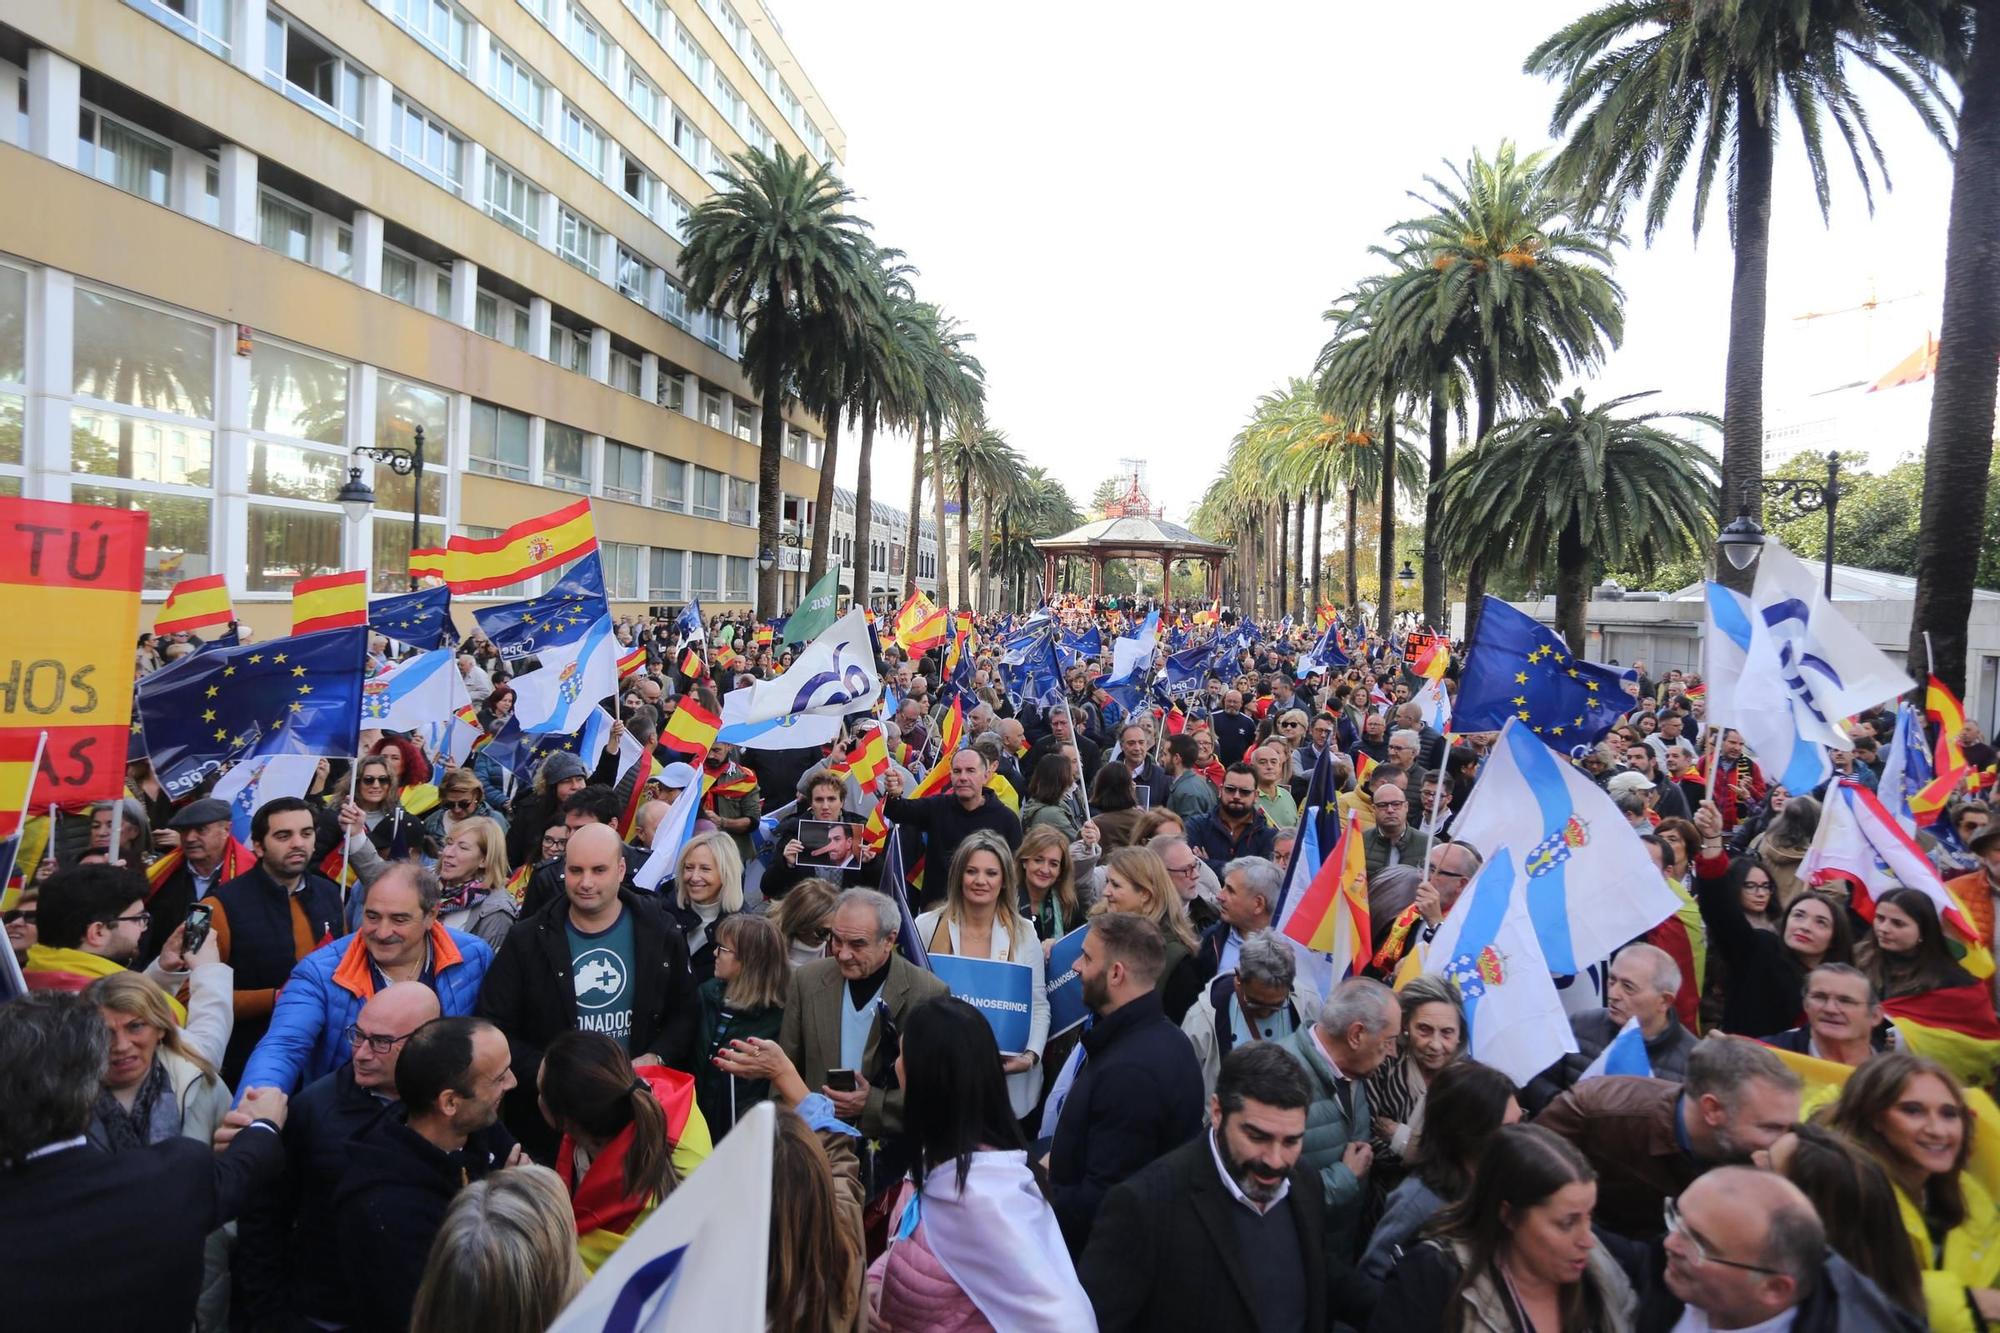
(632, 663)
(919, 625)
(532, 546)
(427, 562)
(330, 601)
(195, 604)
(691, 729)
(70, 577)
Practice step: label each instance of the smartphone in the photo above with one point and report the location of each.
(195, 933)
(840, 1080)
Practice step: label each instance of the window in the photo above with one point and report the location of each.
(625, 372)
(343, 252)
(285, 227)
(137, 356)
(566, 458)
(177, 534)
(725, 97)
(670, 389)
(13, 368)
(288, 544)
(739, 578)
(642, 96)
(635, 275)
(203, 22)
(688, 55)
(652, 14)
(670, 484)
(297, 394)
(621, 570)
(733, 31)
(711, 406)
(576, 240)
(582, 140)
(486, 314)
(673, 303)
(707, 575)
(511, 200)
(707, 496)
(741, 418)
(581, 36)
(569, 348)
(119, 155)
(109, 444)
(514, 325)
(759, 137)
(624, 472)
(425, 145)
(437, 25)
(516, 86)
(742, 502)
(668, 572)
(400, 407)
(391, 542)
(640, 185)
(761, 66)
(399, 277)
(499, 443)
(312, 72)
(672, 213)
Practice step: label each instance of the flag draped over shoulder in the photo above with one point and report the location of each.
(1516, 670)
(1953, 1025)
(530, 547)
(195, 604)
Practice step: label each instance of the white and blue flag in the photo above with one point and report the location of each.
(1488, 948)
(1626, 1055)
(832, 676)
(265, 778)
(562, 693)
(415, 692)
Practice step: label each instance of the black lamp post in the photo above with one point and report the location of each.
(1743, 540)
(358, 497)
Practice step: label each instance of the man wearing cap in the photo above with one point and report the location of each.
(1628, 783)
(207, 856)
(1977, 888)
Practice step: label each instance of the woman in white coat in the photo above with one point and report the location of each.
(979, 919)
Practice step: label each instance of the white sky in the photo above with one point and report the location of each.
(1142, 210)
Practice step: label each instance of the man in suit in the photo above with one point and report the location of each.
(1135, 751)
(1236, 1199)
(836, 1008)
(62, 1201)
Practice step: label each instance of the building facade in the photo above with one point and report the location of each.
(887, 580)
(246, 237)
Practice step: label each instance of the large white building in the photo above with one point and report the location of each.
(889, 569)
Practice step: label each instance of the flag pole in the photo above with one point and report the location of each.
(1714, 759)
(21, 828)
(113, 853)
(1930, 667)
(1437, 796)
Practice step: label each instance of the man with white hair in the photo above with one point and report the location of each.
(1263, 999)
(1246, 902)
(1642, 984)
(1355, 1033)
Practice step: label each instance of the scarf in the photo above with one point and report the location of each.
(155, 1116)
(463, 896)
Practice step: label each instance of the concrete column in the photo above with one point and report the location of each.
(236, 188)
(45, 445)
(229, 551)
(545, 220)
(600, 355)
(187, 187)
(593, 462)
(357, 548)
(649, 381)
(464, 292)
(607, 258)
(368, 249)
(538, 433)
(378, 100)
(55, 99)
(539, 311)
(472, 185)
(691, 395)
(479, 59)
(246, 37)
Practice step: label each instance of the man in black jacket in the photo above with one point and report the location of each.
(946, 818)
(1235, 1199)
(66, 1205)
(410, 1160)
(601, 958)
(1061, 739)
(586, 805)
(1137, 1092)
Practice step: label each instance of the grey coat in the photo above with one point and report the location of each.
(1329, 1129)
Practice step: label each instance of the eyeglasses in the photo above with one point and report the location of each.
(1699, 1249)
(554, 845)
(722, 949)
(379, 1042)
(472, 804)
(1191, 868)
(142, 918)
(1239, 791)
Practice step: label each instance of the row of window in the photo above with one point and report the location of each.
(502, 445)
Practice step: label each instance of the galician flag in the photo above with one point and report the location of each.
(558, 697)
(1487, 946)
(415, 692)
(1626, 1055)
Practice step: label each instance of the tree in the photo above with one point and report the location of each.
(1960, 454)
(949, 382)
(1650, 83)
(778, 250)
(883, 382)
(972, 456)
(1579, 484)
(1039, 506)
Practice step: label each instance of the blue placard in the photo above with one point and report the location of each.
(1066, 1006)
(1003, 992)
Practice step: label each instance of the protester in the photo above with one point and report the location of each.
(708, 888)
(472, 866)
(1047, 800)
(1641, 985)
(504, 1260)
(822, 800)
(1136, 881)
(946, 819)
(1465, 1105)
(462, 797)
(976, 1245)
(89, 922)
(1857, 1204)
(1518, 1253)
(206, 854)
(629, 1136)
(1189, 792)
(1263, 999)
(560, 776)
(1245, 905)
(815, 1270)
(1047, 894)
(745, 998)
(1235, 827)
(21, 921)
(1843, 1018)
(1434, 1034)
(1353, 1034)
(805, 919)
(1392, 841)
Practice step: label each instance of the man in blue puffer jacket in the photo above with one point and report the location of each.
(400, 940)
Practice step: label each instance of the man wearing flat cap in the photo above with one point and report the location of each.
(207, 857)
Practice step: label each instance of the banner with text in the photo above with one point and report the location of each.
(1002, 992)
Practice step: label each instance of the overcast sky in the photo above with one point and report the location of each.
(1143, 210)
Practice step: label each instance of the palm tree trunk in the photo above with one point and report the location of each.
(1247, 603)
(1743, 373)
(1353, 522)
(986, 552)
(1475, 596)
(963, 601)
(937, 499)
(1487, 389)
(916, 516)
(1010, 596)
(1572, 585)
(1319, 536)
(822, 535)
(1434, 589)
(1959, 459)
(1299, 555)
(770, 496)
(864, 505)
(1385, 558)
(1281, 579)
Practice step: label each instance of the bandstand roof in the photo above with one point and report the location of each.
(1131, 537)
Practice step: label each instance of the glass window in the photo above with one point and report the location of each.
(582, 140)
(107, 444)
(670, 484)
(707, 574)
(287, 545)
(566, 458)
(621, 570)
(725, 97)
(176, 534)
(569, 349)
(119, 155)
(673, 304)
(742, 419)
(400, 407)
(310, 72)
(516, 86)
(14, 325)
(142, 357)
(688, 54)
(651, 13)
(641, 95)
(436, 24)
(486, 315)
(204, 22)
(284, 227)
(640, 185)
(669, 568)
(672, 211)
(511, 200)
(399, 277)
(576, 240)
(707, 498)
(296, 472)
(671, 389)
(711, 406)
(582, 37)
(739, 578)
(426, 145)
(343, 252)
(624, 471)
(297, 394)
(391, 542)
(742, 501)
(625, 372)
(518, 337)
(635, 275)
(688, 141)
(499, 445)
(13, 411)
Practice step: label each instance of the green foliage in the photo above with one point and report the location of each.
(1877, 520)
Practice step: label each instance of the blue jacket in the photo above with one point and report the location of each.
(307, 1039)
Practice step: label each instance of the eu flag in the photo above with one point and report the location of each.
(299, 695)
(1515, 668)
(561, 615)
(421, 619)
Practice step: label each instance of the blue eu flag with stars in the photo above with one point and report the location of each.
(1516, 668)
(421, 619)
(562, 615)
(298, 695)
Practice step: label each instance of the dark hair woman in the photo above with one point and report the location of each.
(1911, 957)
(1856, 1201)
(1516, 1253)
(973, 1237)
(1048, 796)
(1114, 806)
(628, 1135)
(745, 998)
(1467, 1104)
(1920, 981)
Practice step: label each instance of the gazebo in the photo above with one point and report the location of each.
(1132, 537)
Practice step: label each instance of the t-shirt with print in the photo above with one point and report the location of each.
(601, 965)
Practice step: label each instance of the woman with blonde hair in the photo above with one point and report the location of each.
(979, 920)
(708, 886)
(472, 865)
(1136, 881)
(804, 918)
(505, 1259)
(745, 998)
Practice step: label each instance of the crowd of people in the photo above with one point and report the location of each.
(419, 1053)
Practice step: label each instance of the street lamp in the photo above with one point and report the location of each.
(1743, 540)
(357, 497)
(766, 557)
(1406, 576)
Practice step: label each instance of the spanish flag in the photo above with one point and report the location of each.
(646, 770)
(691, 664)
(1363, 766)
(868, 760)
(330, 601)
(1332, 917)
(427, 562)
(632, 663)
(1953, 1025)
(1322, 618)
(691, 729)
(763, 636)
(605, 1214)
(919, 625)
(532, 546)
(1431, 663)
(1949, 762)
(195, 604)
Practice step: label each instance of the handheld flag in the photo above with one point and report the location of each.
(919, 625)
(561, 615)
(816, 610)
(571, 680)
(632, 663)
(415, 692)
(530, 547)
(1488, 947)
(1941, 705)
(330, 601)
(1625, 1055)
(1331, 916)
(868, 759)
(689, 623)
(1797, 762)
(1432, 661)
(421, 619)
(1515, 669)
(897, 885)
(691, 664)
(255, 781)
(673, 834)
(832, 676)
(691, 729)
(195, 604)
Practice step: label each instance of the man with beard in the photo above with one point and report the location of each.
(91, 920)
(1236, 827)
(1235, 1199)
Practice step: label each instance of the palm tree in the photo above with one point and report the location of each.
(881, 385)
(974, 455)
(999, 480)
(1578, 485)
(1650, 83)
(1037, 506)
(1958, 461)
(949, 383)
(777, 249)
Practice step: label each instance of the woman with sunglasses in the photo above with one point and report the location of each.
(805, 919)
(20, 921)
(463, 797)
(415, 791)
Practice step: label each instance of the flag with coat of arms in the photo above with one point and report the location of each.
(1487, 946)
